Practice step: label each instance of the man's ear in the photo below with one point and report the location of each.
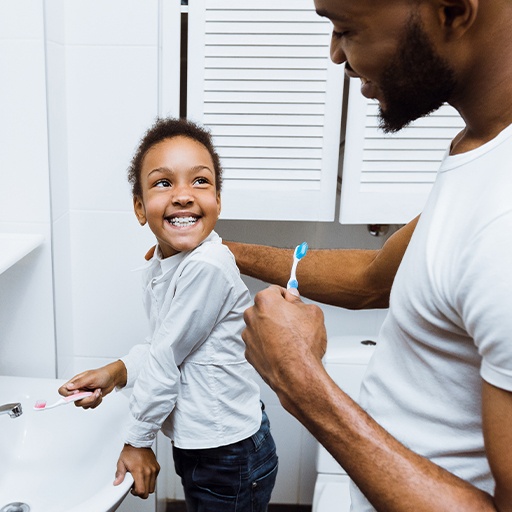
(140, 211)
(457, 16)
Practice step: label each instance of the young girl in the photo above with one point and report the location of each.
(190, 379)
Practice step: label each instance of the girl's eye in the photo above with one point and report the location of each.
(162, 183)
(201, 181)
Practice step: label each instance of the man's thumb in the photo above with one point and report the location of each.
(294, 292)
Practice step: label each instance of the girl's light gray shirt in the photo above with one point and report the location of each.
(190, 378)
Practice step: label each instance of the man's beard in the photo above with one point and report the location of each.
(416, 83)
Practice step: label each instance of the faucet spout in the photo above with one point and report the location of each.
(13, 410)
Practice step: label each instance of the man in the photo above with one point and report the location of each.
(434, 432)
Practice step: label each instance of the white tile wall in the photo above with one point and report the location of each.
(26, 296)
(112, 98)
(27, 339)
(115, 22)
(55, 20)
(63, 295)
(23, 159)
(57, 122)
(108, 317)
(21, 19)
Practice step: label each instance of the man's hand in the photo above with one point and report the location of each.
(285, 339)
(142, 464)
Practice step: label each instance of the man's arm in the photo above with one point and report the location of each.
(287, 350)
(349, 278)
(392, 477)
(497, 426)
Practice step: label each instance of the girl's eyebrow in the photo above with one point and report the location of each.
(198, 168)
(194, 169)
(164, 170)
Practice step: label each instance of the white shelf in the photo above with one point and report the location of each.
(15, 246)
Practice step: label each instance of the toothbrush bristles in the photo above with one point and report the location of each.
(40, 404)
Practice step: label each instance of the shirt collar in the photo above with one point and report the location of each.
(170, 263)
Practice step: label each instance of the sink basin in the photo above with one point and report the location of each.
(62, 459)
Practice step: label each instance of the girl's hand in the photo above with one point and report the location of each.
(142, 464)
(101, 381)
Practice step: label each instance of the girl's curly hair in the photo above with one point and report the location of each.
(168, 128)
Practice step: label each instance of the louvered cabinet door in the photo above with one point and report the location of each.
(387, 178)
(259, 76)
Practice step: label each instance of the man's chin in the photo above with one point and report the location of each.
(392, 122)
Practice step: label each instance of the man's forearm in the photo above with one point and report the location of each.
(349, 278)
(330, 276)
(392, 477)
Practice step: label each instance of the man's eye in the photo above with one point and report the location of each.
(338, 35)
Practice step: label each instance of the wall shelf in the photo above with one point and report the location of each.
(15, 246)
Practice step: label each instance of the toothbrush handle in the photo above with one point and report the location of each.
(292, 282)
(77, 396)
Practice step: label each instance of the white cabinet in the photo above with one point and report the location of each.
(259, 76)
(387, 178)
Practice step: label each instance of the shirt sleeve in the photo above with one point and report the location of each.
(134, 361)
(485, 300)
(201, 298)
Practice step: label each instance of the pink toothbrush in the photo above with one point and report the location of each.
(40, 405)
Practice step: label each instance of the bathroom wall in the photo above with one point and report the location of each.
(71, 118)
(26, 293)
(102, 95)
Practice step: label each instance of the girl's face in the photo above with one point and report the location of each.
(179, 198)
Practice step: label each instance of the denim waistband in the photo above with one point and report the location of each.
(264, 430)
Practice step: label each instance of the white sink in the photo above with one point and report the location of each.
(62, 459)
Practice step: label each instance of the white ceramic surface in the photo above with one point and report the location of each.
(15, 246)
(62, 459)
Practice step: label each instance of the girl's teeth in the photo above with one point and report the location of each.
(183, 221)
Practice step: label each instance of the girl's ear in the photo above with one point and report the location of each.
(219, 203)
(140, 211)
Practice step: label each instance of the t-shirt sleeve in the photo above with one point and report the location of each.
(484, 297)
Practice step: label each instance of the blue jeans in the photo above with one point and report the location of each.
(235, 478)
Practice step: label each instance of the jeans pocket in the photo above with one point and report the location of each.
(263, 484)
(218, 479)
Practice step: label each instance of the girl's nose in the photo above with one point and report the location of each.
(182, 196)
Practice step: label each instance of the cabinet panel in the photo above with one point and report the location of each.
(260, 77)
(387, 177)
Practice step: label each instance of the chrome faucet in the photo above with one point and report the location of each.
(13, 410)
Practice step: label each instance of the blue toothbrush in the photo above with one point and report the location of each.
(299, 253)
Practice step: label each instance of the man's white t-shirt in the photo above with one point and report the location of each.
(450, 319)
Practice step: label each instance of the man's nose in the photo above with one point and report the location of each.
(337, 54)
